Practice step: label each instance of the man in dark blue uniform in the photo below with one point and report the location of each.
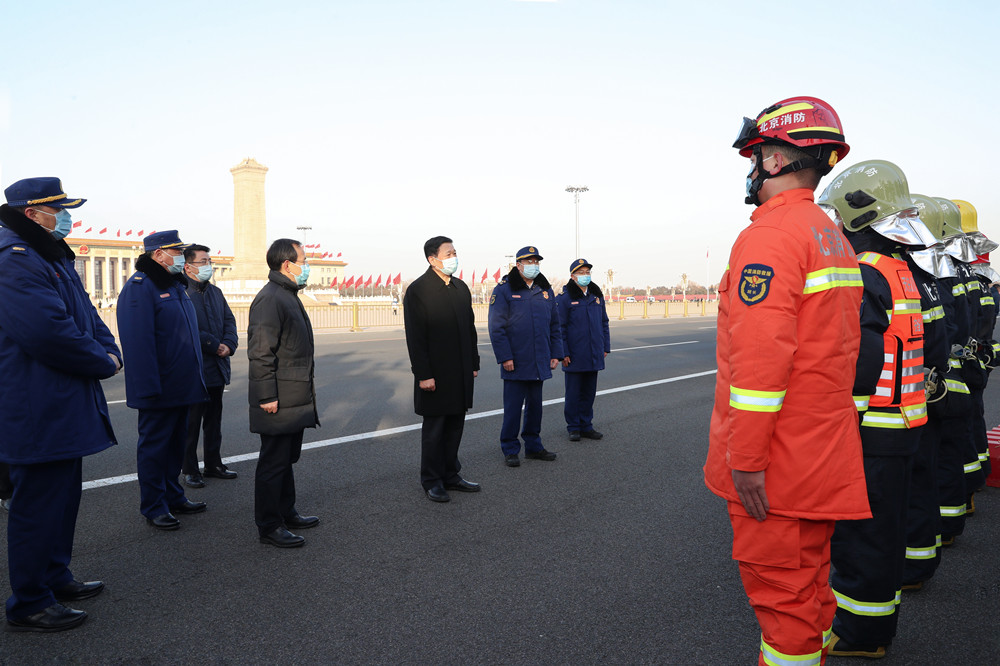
(54, 350)
(217, 335)
(524, 330)
(158, 328)
(586, 340)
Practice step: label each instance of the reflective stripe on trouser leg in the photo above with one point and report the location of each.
(951, 476)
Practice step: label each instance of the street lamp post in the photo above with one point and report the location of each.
(576, 201)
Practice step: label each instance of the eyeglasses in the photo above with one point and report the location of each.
(203, 262)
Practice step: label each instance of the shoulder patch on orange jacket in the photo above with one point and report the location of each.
(754, 283)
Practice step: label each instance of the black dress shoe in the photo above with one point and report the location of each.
(194, 480)
(437, 494)
(511, 460)
(282, 538)
(574, 436)
(591, 434)
(75, 591)
(463, 486)
(222, 472)
(189, 507)
(165, 521)
(54, 618)
(540, 455)
(298, 522)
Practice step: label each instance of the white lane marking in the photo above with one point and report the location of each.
(127, 478)
(665, 344)
(122, 402)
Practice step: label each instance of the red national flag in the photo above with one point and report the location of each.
(141, 232)
(484, 276)
(349, 283)
(461, 274)
(128, 233)
(369, 282)
(218, 251)
(496, 276)
(119, 233)
(399, 279)
(378, 283)
(334, 284)
(339, 254)
(89, 229)
(77, 224)
(103, 230)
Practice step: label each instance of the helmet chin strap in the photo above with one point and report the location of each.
(762, 174)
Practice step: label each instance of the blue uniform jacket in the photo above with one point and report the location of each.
(216, 325)
(583, 324)
(524, 327)
(158, 329)
(53, 351)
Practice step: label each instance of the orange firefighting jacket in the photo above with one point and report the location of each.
(787, 344)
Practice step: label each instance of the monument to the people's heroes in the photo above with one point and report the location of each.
(249, 268)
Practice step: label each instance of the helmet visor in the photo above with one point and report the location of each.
(959, 247)
(748, 132)
(980, 243)
(905, 227)
(935, 261)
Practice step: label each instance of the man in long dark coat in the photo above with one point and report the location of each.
(281, 391)
(441, 340)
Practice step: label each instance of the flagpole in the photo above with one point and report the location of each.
(708, 277)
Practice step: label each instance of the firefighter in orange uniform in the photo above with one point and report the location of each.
(784, 448)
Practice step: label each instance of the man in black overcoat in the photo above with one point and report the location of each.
(281, 391)
(441, 340)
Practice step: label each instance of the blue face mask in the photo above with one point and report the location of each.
(583, 280)
(449, 265)
(64, 223)
(205, 272)
(531, 271)
(178, 264)
(302, 277)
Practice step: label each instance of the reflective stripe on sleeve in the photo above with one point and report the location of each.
(986, 300)
(973, 466)
(829, 278)
(957, 386)
(861, 402)
(774, 658)
(958, 289)
(933, 314)
(866, 608)
(755, 401)
(952, 511)
(983, 457)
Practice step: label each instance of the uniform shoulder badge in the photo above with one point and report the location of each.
(18, 248)
(755, 283)
(493, 299)
(545, 295)
(597, 300)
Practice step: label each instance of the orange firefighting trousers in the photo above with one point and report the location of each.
(785, 567)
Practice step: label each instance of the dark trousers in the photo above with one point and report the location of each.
(982, 444)
(40, 531)
(581, 389)
(207, 416)
(6, 487)
(951, 475)
(274, 482)
(440, 437)
(868, 556)
(518, 394)
(159, 455)
(923, 516)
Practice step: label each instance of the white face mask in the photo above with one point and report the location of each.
(449, 265)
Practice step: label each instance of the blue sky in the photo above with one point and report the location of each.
(385, 123)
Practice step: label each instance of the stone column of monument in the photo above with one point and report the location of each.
(249, 223)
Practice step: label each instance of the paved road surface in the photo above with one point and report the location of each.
(614, 553)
